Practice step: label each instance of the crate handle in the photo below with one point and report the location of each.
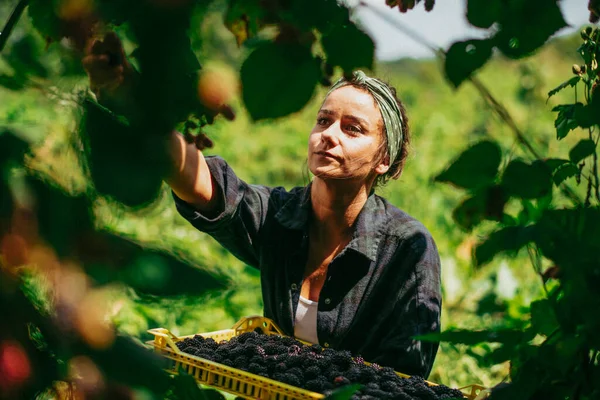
(477, 392)
(164, 336)
(268, 325)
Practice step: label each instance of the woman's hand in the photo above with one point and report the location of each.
(109, 71)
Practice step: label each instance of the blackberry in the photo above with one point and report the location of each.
(256, 368)
(343, 359)
(229, 362)
(288, 378)
(377, 394)
(312, 372)
(281, 367)
(401, 395)
(353, 374)
(317, 385)
(390, 386)
(367, 375)
(240, 362)
(245, 336)
(444, 392)
(211, 344)
(296, 372)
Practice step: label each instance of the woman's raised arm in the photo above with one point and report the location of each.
(111, 76)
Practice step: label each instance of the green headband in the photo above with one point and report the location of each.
(385, 99)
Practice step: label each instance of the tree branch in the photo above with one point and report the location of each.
(12, 21)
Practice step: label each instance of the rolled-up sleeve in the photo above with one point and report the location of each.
(243, 212)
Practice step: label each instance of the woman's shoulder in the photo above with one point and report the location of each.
(397, 222)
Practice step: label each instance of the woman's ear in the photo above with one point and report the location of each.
(383, 166)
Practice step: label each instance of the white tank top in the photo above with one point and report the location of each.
(305, 326)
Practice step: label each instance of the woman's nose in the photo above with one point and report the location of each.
(332, 133)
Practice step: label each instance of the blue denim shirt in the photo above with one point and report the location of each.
(380, 290)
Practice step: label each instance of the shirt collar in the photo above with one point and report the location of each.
(367, 233)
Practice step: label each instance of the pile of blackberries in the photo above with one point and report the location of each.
(313, 367)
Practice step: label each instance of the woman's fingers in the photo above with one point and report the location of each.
(114, 47)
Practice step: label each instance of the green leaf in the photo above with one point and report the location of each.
(344, 393)
(506, 336)
(569, 237)
(526, 25)
(133, 178)
(571, 82)
(464, 58)
(278, 79)
(509, 239)
(527, 181)
(324, 15)
(582, 150)
(555, 163)
(129, 362)
(483, 14)
(543, 318)
(564, 172)
(149, 271)
(349, 47)
(44, 18)
(565, 120)
(474, 168)
(485, 204)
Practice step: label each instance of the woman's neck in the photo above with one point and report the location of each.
(335, 205)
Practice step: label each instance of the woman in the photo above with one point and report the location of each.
(339, 265)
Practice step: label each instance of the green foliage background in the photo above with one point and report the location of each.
(444, 121)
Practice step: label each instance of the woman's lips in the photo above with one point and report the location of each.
(327, 155)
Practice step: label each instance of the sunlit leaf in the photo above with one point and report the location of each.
(278, 79)
(464, 58)
(565, 120)
(564, 172)
(474, 168)
(571, 82)
(582, 150)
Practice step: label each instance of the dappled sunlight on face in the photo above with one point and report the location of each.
(347, 137)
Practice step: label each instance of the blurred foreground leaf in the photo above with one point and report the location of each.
(278, 79)
(475, 167)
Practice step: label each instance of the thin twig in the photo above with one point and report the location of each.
(12, 21)
(595, 168)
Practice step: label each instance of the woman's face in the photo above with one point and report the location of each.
(347, 137)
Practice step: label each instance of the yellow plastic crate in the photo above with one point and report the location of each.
(242, 383)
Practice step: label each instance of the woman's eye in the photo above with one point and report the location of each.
(354, 128)
(322, 121)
